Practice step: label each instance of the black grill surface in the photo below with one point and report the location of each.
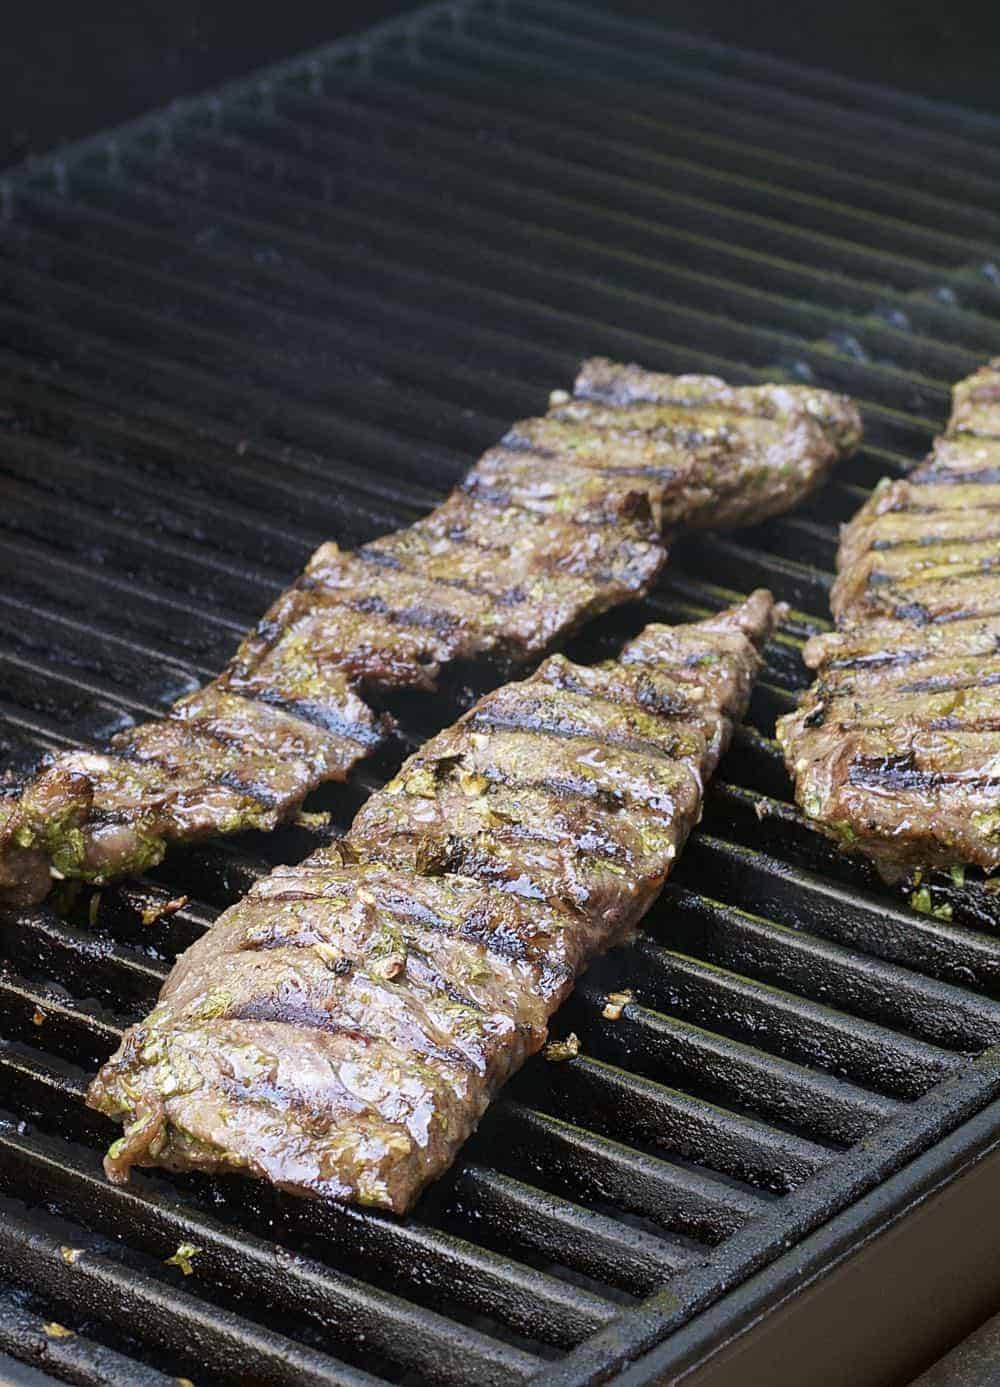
(297, 310)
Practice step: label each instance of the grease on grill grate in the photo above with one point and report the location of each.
(293, 313)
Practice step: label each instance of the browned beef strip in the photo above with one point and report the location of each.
(895, 750)
(957, 460)
(601, 379)
(724, 455)
(341, 1030)
(534, 542)
(976, 403)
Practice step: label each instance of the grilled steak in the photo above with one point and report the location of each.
(563, 520)
(976, 403)
(739, 453)
(343, 1028)
(896, 748)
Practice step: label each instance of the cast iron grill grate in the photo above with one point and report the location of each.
(295, 311)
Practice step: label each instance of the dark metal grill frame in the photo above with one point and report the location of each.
(354, 270)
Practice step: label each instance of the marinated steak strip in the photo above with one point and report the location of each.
(724, 455)
(960, 459)
(563, 520)
(342, 1029)
(976, 403)
(895, 750)
(601, 379)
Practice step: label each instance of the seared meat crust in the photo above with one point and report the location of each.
(730, 455)
(342, 1029)
(895, 749)
(563, 520)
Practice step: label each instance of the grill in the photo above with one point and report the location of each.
(295, 310)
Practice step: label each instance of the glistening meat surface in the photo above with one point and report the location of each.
(341, 1031)
(566, 518)
(895, 749)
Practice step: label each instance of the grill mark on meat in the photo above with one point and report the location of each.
(934, 476)
(681, 437)
(543, 727)
(898, 773)
(612, 383)
(510, 597)
(577, 783)
(372, 1075)
(665, 704)
(633, 505)
(865, 688)
(478, 926)
(920, 615)
(482, 858)
(931, 684)
(990, 609)
(911, 507)
(176, 779)
(275, 1100)
(879, 582)
(913, 495)
(884, 660)
(896, 747)
(258, 790)
(412, 619)
(297, 1012)
(520, 834)
(511, 583)
(597, 574)
(819, 651)
(955, 574)
(881, 546)
(608, 519)
(822, 714)
(301, 1014)
(421, 967)
(280, 938)
(318, 715)
(299, 937)
(879, 661)
(555, 462)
